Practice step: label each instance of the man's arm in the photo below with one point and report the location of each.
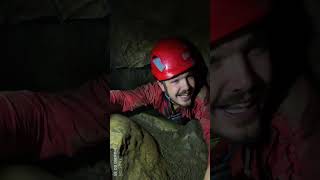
(129, 100)
(41, 125)
(202, 113)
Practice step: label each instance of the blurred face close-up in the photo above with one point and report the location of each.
(180, 89)
(239, 77)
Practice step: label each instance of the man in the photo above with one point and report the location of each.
(261, 134)
(180, 92)
(40, 126)
(36, 125)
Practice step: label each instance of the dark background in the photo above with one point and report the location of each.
(53, 45)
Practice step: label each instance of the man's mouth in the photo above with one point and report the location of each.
(185, 96)
(239, 106)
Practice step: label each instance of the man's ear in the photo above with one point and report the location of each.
(161, 85)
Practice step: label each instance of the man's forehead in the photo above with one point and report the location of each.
(183, 75)
(232, 45)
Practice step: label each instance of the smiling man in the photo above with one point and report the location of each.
(179, 89)
(267, 128)
(243, 88)
(179, 93)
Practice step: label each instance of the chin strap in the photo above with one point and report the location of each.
(172, 114)
(167, 94)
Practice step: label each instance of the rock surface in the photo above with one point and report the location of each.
(151, 147)
(134, 152)
(137, 25)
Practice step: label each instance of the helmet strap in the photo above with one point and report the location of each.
(166, 91)
(166, 94)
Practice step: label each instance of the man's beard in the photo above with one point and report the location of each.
(242, 125)
(188, 93)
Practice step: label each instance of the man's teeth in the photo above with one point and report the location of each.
(235, 111)
(238, 108)
(185, 95)
(241, 105)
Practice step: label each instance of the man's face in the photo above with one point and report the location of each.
(239, 77)
(180, 89)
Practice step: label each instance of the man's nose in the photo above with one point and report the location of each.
(185, 84)
(242, 74)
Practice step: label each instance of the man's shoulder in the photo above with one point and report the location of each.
(151, 87)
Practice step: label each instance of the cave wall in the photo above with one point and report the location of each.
(53, 45)
(136, 25)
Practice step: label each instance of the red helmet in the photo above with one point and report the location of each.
(228, 16)
(169, 58)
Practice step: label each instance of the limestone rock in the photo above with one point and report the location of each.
(182, 147)
(134, 153)
(137, 25)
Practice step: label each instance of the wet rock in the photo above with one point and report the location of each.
(134, 152)
(182, 147)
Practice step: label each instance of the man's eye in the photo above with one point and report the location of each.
(256, 52)
(215, 63)
(190, 77)
(213, 57)
(175, 81)
(213, 60)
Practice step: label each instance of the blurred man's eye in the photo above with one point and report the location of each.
(175, 81)
(256, 52)
(215, 63)
(255, 48)
(213, 58)
(190, 78)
